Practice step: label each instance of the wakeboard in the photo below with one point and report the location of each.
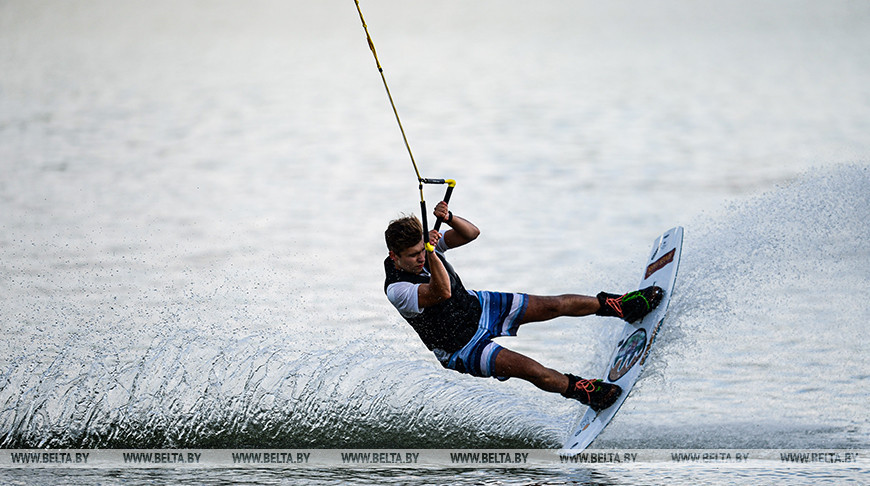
(630, 354)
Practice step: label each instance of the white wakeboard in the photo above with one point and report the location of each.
(628, 359)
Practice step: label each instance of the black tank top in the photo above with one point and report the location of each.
(448, 325)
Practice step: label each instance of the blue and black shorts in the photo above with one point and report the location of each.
(500, 316)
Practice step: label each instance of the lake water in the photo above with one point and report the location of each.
(194, 195)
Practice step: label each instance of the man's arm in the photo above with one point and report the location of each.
(438, 288)
(462, 231)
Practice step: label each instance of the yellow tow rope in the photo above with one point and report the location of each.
(421, 180)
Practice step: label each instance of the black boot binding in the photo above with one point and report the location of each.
(595, 393)
(631, 306)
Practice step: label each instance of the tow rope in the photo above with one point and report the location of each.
(420, 180)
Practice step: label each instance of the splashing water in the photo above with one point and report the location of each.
(764, 339)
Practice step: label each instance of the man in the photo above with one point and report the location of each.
(458, 325)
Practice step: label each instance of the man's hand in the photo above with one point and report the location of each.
(434, 236)
(441, 211)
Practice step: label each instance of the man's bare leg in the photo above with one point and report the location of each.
(543, 308)
(594, 393)
(515, 365)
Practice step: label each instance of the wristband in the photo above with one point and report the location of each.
(449, 217)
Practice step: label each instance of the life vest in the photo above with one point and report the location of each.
(447, 325)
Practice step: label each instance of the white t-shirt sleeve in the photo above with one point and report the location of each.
(441, 246)
(403, 296)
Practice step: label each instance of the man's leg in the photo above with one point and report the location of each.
(543, 308)
(515, 365)
(595, 393)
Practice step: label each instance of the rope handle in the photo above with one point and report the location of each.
(450, 185)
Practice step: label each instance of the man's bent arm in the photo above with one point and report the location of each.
(462, 231)
(438, 288)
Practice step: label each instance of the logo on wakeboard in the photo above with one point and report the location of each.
(660, 263)
(628, 354)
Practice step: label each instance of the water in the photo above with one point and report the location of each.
(193, 200)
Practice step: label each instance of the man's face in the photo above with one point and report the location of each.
(412, 259)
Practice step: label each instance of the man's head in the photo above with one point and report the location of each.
(404, 238)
